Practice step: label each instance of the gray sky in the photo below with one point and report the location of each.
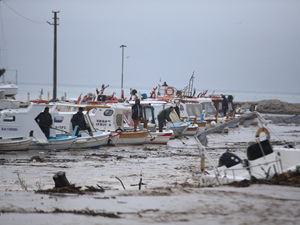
(242, 44)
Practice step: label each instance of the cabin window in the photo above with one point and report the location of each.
(58, 119)
(93, 111)
(198, 110)
(119, 120)
(219, 106)
(189, 110)
(9, 118)
(209, 108)
(108, 112)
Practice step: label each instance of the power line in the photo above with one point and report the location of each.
(20, 14)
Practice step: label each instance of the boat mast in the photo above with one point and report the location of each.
(190, 86)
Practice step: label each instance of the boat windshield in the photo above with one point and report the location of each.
(208, 108)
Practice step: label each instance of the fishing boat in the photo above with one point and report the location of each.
(15, 123)
(263, 161)
(10, 89)
(132, 138)
(62, 125)
(112, 118)
(156, 137)
(15, 144)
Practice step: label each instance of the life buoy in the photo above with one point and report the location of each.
(169, 91)
(40, 101)
(265, 130)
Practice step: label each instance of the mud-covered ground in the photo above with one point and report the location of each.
(170, 193)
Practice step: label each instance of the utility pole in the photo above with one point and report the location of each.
(122, 91)
(55, 54)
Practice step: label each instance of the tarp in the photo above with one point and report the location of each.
(245, 120)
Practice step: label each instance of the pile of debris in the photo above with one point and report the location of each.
(288, 179)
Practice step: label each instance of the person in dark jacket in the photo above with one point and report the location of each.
(78, 120)
(224, 104)
(137, 115)
(163, 116)
(44, 120)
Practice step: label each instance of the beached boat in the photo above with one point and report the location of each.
(62, 124)
(156, 137)
(112, 118)
(9, 89)
(15, 123)
(53, 143)
(263, 161)
(132, 138)
(15, 144)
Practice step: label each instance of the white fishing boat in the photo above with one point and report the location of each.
(156, 137)
(9, 88)
(263, 161)
(16, 123)
(15, 144)
(132, 138)
(62, 124)
(53, 143)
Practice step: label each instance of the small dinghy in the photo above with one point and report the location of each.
(15, 144)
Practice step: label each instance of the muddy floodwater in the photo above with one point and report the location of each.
(169, 190)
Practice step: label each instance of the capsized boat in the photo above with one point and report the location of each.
(263, 161)
(15, 144)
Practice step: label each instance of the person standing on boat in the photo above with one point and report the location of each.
(224, 104)
(163, 116)
(44, 120)
(137, 115)
(79, 121)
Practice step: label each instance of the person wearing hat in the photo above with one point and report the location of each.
(44, 120)
(78, 120)
(137, 115)
(163, 116)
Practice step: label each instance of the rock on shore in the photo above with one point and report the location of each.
(270, 106)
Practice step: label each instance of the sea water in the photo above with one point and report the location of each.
(73, 92)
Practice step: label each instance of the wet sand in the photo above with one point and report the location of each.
(171, 194)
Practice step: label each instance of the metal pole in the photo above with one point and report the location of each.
(55, 55)
(122, 46)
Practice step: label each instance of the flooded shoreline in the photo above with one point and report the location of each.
(170, 192)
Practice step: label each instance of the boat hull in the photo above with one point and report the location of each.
(52, 144)
(132, 138)
(15, 144)
(87, 141)
(159, 137)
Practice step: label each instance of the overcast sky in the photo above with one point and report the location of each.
(243, 45)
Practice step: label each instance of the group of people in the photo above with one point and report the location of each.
(137, 116)
(44, 120)
(227, 104)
